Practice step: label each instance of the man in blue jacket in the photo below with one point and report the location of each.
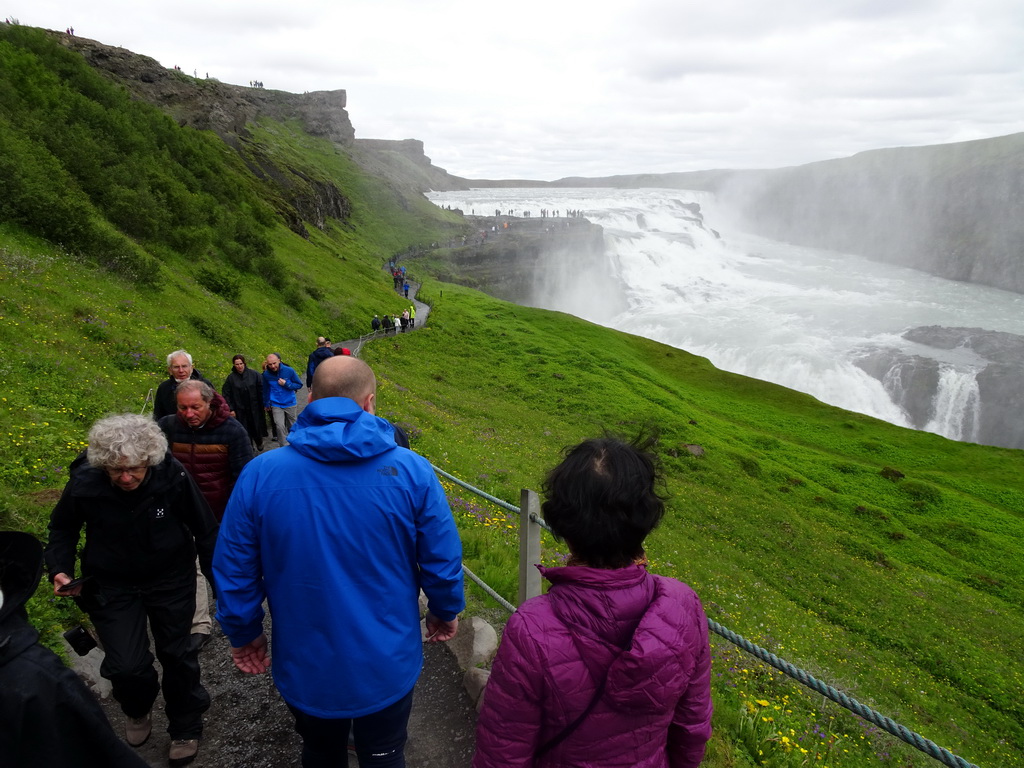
(280, 383)
(339, 532)
(322, 352)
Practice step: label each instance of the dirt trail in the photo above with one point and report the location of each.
(249, 726)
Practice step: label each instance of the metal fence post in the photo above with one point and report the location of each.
(529, 545)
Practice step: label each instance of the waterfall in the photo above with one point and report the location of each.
(825, 323)
(956, 410)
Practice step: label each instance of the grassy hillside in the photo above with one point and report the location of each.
(885, 561)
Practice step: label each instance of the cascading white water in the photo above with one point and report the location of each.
(957, 405)
(795, 316)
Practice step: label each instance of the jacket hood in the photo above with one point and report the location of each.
(220, 412)
(635, 633)
(21, 567)
(337, 429)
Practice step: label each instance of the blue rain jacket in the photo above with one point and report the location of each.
(338, 531)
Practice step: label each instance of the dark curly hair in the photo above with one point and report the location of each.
(602, 499)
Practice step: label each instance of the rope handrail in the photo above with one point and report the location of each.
(887, 724)
(489, 590)
(493, 499)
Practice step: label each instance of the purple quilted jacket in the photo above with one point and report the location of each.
(655, 711)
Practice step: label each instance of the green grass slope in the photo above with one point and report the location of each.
(885, 561)
(793, 526)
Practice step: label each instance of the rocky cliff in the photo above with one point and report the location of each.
(229, 110)
(952, 210)
(967, 378)
(404, 162)
(207, 104)
(514, 262)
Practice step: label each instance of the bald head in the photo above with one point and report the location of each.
(346, 377)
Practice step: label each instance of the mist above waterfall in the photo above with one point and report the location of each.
(811, 320)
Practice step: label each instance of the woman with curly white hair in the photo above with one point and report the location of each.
(145, 521)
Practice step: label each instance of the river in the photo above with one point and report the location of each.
(795, 316)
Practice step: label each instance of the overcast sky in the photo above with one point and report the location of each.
(554, 88)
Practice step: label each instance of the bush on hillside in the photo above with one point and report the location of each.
(75, 148)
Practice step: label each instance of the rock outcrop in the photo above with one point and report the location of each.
(517, 263)
(208, 104)
(951, 210)
(989, 376)
(229, 110)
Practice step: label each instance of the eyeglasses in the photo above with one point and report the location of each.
(118, 471)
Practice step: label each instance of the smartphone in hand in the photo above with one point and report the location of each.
(74, 583)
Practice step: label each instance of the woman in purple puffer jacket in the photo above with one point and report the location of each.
(612, 666)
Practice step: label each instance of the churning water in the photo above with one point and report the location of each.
(794, 316)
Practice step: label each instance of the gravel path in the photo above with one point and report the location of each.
(249, 726)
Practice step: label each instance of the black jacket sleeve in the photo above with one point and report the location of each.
(239, 450)
(65, 527)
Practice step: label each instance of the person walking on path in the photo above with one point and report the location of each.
(145, 521)
(404, 319)
(339, 532)
(375, 324)
(280, 383)
(322, 352)
(612, 666)
(243, 389)
(412, 316)
(213, 448)
(405, 287)
(179, 369)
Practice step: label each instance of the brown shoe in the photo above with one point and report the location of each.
(183, 751)
(137, 729)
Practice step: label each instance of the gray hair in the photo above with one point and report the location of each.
(125, 439)
(205, 390)
(178, 353)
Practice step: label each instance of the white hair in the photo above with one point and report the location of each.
(125, 439)
(178, 353)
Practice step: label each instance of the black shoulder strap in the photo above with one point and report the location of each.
(562, 735)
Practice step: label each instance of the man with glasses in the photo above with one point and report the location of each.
(145, 521)
(179, 369)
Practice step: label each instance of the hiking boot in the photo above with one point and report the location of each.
(182, 751)
(137, 729)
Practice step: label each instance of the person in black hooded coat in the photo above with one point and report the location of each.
(243, 389)
(47, 715)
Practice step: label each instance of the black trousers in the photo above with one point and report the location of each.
(120, 614)
(379, 738)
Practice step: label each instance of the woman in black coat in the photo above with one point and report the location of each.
(243, 389)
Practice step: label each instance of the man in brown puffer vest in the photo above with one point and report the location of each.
(213, 447)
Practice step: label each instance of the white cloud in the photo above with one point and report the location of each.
(566, 87)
